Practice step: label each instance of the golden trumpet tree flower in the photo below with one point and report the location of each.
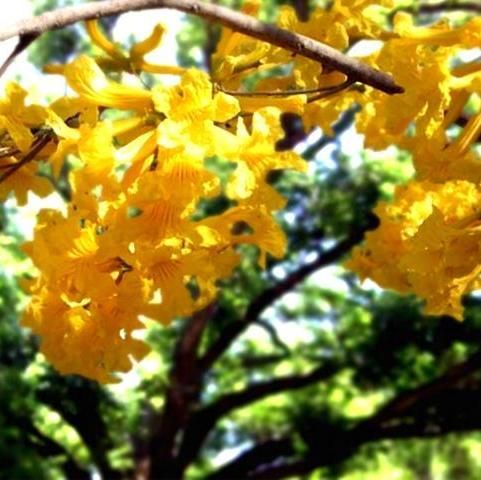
(133, 242)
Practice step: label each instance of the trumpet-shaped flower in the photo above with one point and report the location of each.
(86, 78)
(428, 243)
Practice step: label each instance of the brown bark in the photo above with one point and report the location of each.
(240, 22)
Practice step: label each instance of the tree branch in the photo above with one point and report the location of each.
(302, 9)
(255, 361)
(343, 123)
(261, 453)
(268, 296)
(37, 146)
(23, 42)
(261, 390)
(274, 335)
(408, 399)
(204, 420)
(79, 402)
(298, 44)
(183, 392)
(408, 415)
(447, 6)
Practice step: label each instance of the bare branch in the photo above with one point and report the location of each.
(278, 93)
(259, 361)
(298, 44)
(37, 146)
(344, 122)
(302, 9)
(42, 139)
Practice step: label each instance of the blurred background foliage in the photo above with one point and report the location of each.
(323, 378)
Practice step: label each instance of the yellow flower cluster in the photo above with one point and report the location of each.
(419, 245)
(428, 243)
(315, 92)
(428, 240)
(130, 244)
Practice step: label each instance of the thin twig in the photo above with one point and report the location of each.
(281, 93)
(274, 335)
(42, 138)
(237, 21)
(344, 122)
(332, 91)
(23, 42)
(447, 6)
(8, 152)
(37, 146)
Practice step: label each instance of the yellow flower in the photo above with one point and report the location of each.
(169, 272)
(256, 157)
(193, 100)
(137, 156)
(18, 118)
(24, 180)
(152, 210)
(263, 231)
(134, 61)
(86, 78)
(129, 244)
(288, 104)
(428, 243)
(96, 151)
(90, 336)
(62, 248)
(467, 36)
(439, 160)
(237, 53)
(192, 111)
(424, 74)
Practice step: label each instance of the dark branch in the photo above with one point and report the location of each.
(249, 460)
(447, 6)
(204, 420)
(23, 42)
(408, 399)
(79, 402)
(37, 146)
(302, 9)
(274, 335)
(182, 394)
(255, 361)
(424, 412)
(268, 296)
(345, 121)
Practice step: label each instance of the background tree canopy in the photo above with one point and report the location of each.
(296, 372)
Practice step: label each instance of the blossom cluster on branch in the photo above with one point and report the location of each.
(132, 244)
(428, 239)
